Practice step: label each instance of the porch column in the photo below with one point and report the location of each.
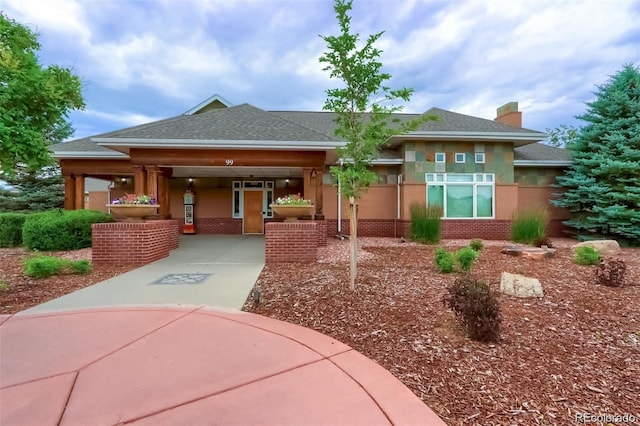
(163, 194)
(139, 180)
(152, 181)
(79, 193)
(69, 192)
(309, 187)
(319, 191)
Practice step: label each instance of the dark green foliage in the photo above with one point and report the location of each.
(477, 306)
(445, 261)
(528, 226)
(602, 187)
(425, 223)
(11, 229)
(586, 255)
(61, 230)
(611, 272)
(476, 244)
(33, 191)
(46, 266)
(466, 257)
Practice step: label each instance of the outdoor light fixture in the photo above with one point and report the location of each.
(313, 173)
(190, 180)
(123, 180)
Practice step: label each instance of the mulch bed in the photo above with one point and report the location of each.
(575, 351)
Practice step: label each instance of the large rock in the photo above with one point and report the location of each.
(536, 253)
(604, 247)
(520, 286)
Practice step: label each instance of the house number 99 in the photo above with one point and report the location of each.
(228, 162)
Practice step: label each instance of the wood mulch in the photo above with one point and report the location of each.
(19, 291)
(575, 351)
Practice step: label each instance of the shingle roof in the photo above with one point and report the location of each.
(541, 152)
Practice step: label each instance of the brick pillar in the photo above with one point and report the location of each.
(291, 242)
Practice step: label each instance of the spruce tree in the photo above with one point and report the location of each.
(603, 183)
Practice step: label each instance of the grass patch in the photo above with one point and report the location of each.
(46, 266)
(586, 255)
(529, 226)
(425, 223)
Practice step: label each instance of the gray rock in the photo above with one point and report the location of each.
(520, 286)
(604, 247)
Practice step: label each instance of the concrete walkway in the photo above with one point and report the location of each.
(211, 270)
(112, 354)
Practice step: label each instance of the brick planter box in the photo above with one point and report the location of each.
(291, 242)
(133, 243)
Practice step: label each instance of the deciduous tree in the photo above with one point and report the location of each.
(363, 108)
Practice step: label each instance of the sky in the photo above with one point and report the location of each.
(145, 60)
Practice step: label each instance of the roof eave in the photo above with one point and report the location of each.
(542, 163)
(126, 143)
(518, 138)
(89, 155)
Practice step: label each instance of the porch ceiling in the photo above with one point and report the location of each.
(239, 172)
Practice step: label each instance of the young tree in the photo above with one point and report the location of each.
(34, 100)
(603, 183)
(363, 113)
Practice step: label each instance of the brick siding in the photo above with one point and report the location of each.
(133, 243)
(291, 242)
(215, 225)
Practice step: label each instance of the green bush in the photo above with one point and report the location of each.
(45, 266)
(61, 229)
(425, 223)
(11, 229)
(586, 255)
(476, 244)
(445, 261)
(466, 257)
(529, 226)
(477, 306)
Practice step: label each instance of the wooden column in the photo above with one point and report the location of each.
(79, 193)
(139, 183)
(309, 188)
(69, 192)
(163, 195)
(319, 191)
(152, 181)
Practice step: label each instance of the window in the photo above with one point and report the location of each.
(480, 157)
(462, 195)
(440, 157)
(460, 157)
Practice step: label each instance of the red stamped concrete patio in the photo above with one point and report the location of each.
(177, 365)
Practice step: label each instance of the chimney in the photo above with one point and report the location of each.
(509, 114)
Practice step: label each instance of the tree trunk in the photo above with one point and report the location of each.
(353, 243)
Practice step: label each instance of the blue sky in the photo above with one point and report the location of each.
(143, 60)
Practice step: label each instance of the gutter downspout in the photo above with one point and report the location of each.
(395, 228)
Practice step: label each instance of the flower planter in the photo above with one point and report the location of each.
(132, 211)
(292, 212)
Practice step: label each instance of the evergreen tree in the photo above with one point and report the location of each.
(33, 191)
(603, 183)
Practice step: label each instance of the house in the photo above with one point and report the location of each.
(238, 158)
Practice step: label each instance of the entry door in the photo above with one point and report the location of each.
(253, 212)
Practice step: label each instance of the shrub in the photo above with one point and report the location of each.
(445, 261)
(477, 306)
(61, 230)
(586, 255)
(530, 225)
(476, 244)
(611, 273)
(466, 257)
(11, 229)
(44, 266)
(425, 223)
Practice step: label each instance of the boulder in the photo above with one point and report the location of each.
(520, 286)
(604, 247)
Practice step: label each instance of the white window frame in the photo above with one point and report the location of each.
(443, 159)
(448, 179)
(463, 157)
(479, 157)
